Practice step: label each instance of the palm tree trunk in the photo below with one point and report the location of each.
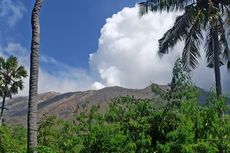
(33, 87)
(2, 109)
(217, 62)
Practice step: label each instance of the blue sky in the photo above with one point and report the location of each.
(70, 30)
(94, 44)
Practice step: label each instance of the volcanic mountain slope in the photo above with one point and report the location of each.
(64, 106)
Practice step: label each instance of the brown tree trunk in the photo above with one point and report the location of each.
(2, 110)
(217, 62)
(33, 86)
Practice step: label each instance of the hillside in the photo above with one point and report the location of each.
(65, 105)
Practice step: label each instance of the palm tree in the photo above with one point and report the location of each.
(34, 70)
(212, 16)
(11, 79)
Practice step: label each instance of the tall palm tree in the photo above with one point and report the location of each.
(212, 16)
(34, 70)
(11, 80)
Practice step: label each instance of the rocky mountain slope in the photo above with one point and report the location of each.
(64, 106)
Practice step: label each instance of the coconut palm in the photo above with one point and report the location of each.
(211, 16)
(11, 80)
(34, 70)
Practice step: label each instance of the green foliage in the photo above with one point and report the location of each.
(181, 78)
(181, 85)
(12, 139)
(133, 125)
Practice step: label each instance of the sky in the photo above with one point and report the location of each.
(90, 45)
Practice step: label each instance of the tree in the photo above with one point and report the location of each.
(212, 16)
(34, 70)
(181, 78)
(181, 85)
(11, 79)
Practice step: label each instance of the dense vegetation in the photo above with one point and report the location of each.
(132, 125)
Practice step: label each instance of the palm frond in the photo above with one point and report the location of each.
(15, 86)
(2, 60)
(223, 40)
(20, 72)
(209, 49)
(193, 40)
(225, 2)
(227, 20)
(162, 5)
(11, 63)
(177, 32)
